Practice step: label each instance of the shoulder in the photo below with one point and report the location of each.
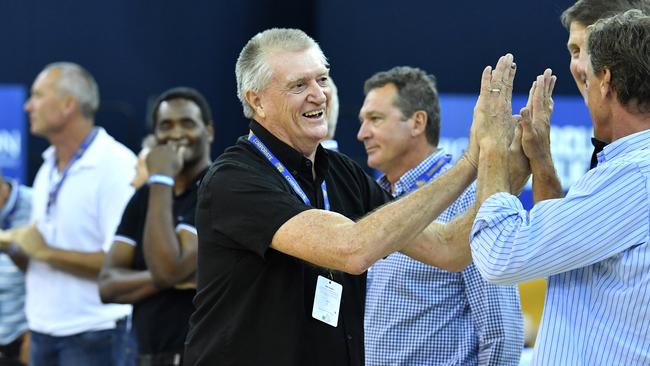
(241, 164)
(342, 164)
(112, 150)
(25, 192)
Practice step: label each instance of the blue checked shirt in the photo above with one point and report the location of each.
(16, 212)
(422, 315)
(593, 246)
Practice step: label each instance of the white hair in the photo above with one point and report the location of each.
(77, 82)
(332, 110)
(253, 72)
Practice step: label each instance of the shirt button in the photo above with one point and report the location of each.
(349, 337)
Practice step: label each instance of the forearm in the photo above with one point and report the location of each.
(445, 245)
(546, 183)
(338, 243)
(166, 260)
(125, 286)
(492, 171)
(83, 264)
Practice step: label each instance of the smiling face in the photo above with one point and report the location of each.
(576, 45)
(386, 133)
(179, 121)
(293, 106)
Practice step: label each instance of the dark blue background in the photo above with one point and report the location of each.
(136, 49)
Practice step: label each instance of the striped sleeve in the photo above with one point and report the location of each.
(604, 214)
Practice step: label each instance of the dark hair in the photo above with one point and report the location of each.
(588, 12)
(622, 45)
(416, 91)
(186, 93)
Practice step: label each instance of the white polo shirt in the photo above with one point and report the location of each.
(83, 218)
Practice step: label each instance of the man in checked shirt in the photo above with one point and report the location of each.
(418, 314)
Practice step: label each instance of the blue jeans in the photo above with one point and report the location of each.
(110, 347)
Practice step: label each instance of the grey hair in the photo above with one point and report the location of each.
(332, 109)
(77, 82)
(252, 70)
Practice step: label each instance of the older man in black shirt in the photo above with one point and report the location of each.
(284, 231)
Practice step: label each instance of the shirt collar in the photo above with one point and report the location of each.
(90, 158)
(11, 200)
(407, 180)
(291, 158)
(196, 182)
(635, 141)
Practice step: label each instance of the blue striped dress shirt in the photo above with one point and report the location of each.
(593, 247)
(417, 314)
(16, 212)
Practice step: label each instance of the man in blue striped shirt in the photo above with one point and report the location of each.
(576, 19)
(593, 244)
(418, 314)
(15, 210)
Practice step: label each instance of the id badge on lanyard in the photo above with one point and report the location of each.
(327, 298)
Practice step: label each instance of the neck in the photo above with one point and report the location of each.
(67, 142)
(409, 161)
(5, 191)
(307, 147)
(189, 174)
(627, 123)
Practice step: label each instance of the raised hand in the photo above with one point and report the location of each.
(493, 122)
(166, 159)
(536, 138)
(536, 117)
(519, 167)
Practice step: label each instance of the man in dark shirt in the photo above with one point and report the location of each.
(152, 262)
(285, 234)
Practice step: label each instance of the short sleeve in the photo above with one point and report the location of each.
(131, 222)
(247, 204)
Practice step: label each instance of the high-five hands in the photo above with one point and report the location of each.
(536, 116)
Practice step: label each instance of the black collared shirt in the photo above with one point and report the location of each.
(160, 320)
(253, 303)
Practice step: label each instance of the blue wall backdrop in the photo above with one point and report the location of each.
(136, 49)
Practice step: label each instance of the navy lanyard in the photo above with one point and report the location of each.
(6, 222)
(54, 191)
(425, 177)
(285, 173)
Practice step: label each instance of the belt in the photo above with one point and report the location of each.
(160, 359)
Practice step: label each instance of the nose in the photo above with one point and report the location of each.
(364, 131)
(174, 133)
(28, 105)
(317, 93)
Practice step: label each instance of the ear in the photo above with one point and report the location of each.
(253, 99)
(605, 83)
(209, 130)
(69, 105)
(420, 119)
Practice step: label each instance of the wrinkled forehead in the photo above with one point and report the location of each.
(289, 65)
